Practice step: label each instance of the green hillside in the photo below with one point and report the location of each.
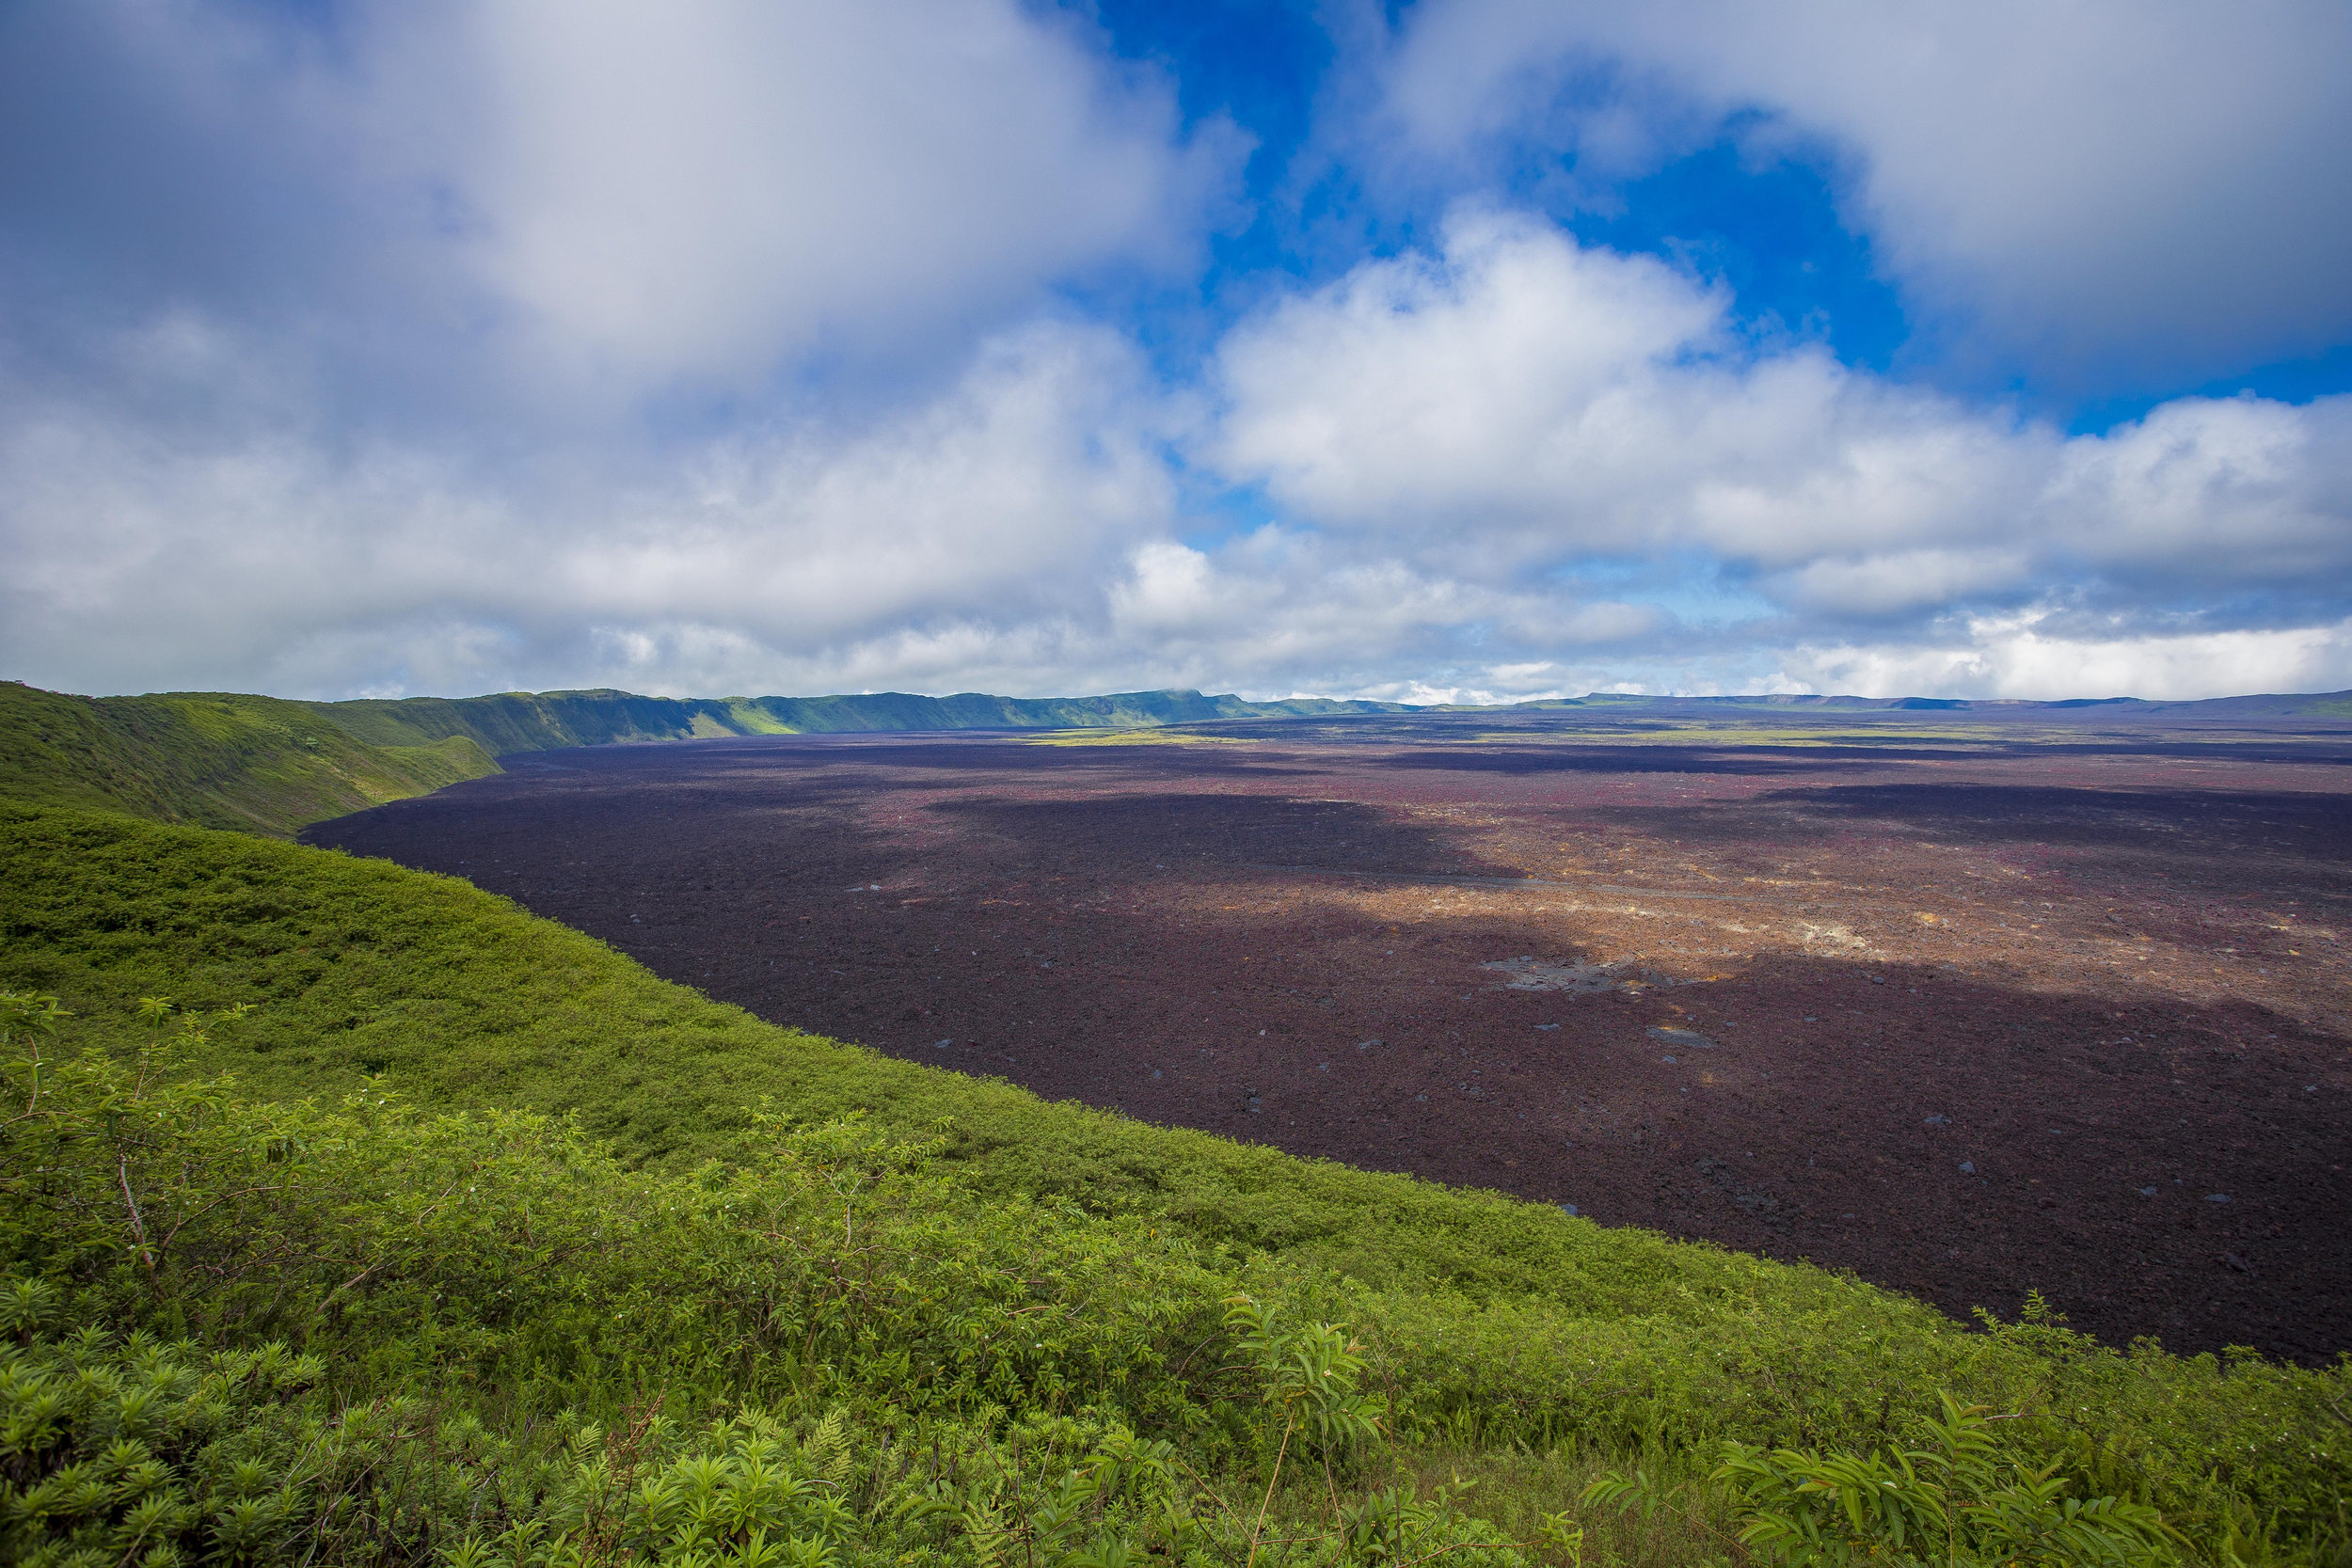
(218, 760)
(1495, 1327)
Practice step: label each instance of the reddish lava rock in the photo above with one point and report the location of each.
(1967, 1020)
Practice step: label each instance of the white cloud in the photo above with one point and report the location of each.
(1517, 404)
(278, 564)
(2112, 190)
(707, 187)
(2013, 656)
(1519, 399)
(1898, 580)
(1501, 470)
(1489, 379)
(714, 347)
(503, 211)
(2238, 492)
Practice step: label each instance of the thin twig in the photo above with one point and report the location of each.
(138, 1225)
(1258, 1528)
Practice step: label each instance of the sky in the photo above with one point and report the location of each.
(1465, 350)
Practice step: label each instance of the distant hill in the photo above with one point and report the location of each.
(537, 721)
(516, 721)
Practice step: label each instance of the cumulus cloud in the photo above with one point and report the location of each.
(513, 202)
(1517, 404)
(1289, 606)
(2021, 656)
(2113, 192)
(1499, 468)
(827, 553)
(704, 187)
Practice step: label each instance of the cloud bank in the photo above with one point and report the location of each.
(726, 348)
(2112, 192)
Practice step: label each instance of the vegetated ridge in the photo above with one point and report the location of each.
(212, 759)
(536, 721)
(527, 721)
(269, 765)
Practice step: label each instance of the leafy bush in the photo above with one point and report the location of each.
(1956, 1502)
(822, 1258)
(127, 1449)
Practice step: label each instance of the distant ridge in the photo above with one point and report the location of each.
(269, 765)
(2317, 705)
(516, 722)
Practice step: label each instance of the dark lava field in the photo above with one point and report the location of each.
(1968, 1009)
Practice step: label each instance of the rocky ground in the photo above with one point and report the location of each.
(1968, 1012)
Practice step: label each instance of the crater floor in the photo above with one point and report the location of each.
(1968, 1012)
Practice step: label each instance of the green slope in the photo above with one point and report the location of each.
(531, 721)
(1501, 1323)
(219, 760)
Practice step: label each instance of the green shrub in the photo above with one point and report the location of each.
(1956, 1502)
(821, 1259)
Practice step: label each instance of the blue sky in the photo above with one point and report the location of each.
(1471, 349)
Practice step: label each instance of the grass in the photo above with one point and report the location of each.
(371, 1332)
(1496, 1326)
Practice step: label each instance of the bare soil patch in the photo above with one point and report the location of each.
(1967, 1020)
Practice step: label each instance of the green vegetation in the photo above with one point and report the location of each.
(1956, 1500)
(252, 764)
(640, 1212)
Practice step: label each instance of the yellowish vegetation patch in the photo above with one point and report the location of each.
(1135, 738)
